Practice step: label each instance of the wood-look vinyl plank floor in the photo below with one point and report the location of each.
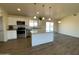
(62, 45)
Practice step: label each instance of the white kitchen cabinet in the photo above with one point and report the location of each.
(1, 29)
(11, 34)
(1, 36)
(12, 21)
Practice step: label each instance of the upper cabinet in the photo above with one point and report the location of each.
(12, 20)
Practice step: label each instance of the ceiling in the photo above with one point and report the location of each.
(58, 10)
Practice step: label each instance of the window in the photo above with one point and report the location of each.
(33, 23)
(49, 26)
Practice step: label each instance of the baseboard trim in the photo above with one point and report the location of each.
(68, 35)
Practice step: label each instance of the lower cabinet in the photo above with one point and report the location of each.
(12, 34)
(1, 36)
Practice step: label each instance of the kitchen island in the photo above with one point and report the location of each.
(36, 37)
(41, 38)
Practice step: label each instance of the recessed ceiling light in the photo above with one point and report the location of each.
(49, 19)
(37, 12)
(59, 22)
(18, 9)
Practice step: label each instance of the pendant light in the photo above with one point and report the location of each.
(43, 18)
(35, 11)
(50, 14)
(34, 17)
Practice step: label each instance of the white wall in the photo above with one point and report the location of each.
(70, 26)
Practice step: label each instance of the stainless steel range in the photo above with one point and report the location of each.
(20, 29)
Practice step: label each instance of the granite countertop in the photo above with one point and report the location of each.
(38, 32)
(11, 29)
